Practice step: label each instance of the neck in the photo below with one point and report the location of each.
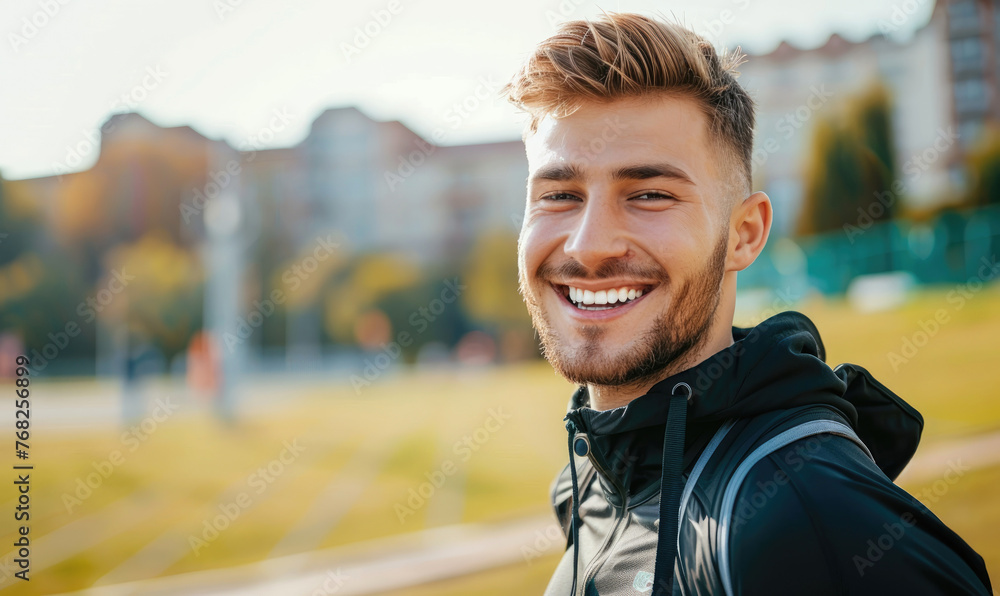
(609, 397)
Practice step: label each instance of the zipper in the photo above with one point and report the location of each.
(605, 551)
(620, 513)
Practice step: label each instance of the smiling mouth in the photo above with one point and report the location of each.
(604, 299)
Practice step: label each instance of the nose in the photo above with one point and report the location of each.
(597, 234)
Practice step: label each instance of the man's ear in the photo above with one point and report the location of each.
(749, 227)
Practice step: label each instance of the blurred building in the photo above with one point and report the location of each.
(795, 87)
(943, 81)
(384, 188)
(387, 189)
(379, 184)
(973, 36)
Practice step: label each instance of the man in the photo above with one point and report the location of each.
(704, 458)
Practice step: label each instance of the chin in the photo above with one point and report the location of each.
(584, 360)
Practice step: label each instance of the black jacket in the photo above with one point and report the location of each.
(814, 515)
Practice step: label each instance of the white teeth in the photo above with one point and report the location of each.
(601, 297)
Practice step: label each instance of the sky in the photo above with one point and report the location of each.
(257, 72)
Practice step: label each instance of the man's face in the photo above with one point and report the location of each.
(625, 238)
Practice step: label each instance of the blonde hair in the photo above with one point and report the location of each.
(626, 55)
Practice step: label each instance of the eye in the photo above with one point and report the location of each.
(651, 196)
(559, 197)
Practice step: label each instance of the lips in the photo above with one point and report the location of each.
(602, 299)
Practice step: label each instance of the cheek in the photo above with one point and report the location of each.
(539, 239)
(678, 251)
(527, 251)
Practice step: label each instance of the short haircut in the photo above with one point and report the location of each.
(627, 55)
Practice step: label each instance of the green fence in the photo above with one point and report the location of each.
(951, 248)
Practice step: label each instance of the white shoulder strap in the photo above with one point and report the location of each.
(692, 480)
(806, 429)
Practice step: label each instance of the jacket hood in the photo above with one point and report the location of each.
(643, 446)
(778, 364)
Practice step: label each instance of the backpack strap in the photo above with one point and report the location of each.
(803, 430)
(696, 471)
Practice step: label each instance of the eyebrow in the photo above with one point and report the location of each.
(559, 172)
(566, 172)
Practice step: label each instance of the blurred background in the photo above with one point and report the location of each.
(261, 256)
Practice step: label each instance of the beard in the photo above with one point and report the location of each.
(665, 346)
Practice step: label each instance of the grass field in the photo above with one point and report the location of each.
(360, 456)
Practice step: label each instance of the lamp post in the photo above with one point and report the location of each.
(224, 227)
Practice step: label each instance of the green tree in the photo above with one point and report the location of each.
(849, 162)
(873, 125)
(984, 170)
(162, 300)
(18, 223)
(492, 297)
